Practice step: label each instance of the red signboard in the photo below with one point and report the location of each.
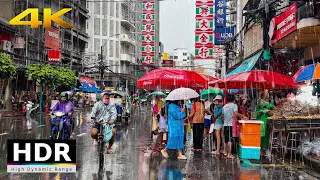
(54, 55)
(167, 63)
(87, 80)
(52, 39)
(284, 24)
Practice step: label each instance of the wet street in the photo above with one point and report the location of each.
(132, 158)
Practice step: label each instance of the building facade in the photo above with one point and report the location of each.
(182, 58)
(114, 26)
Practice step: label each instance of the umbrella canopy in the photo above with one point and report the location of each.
(307, 73)
(182, 94)
(211, 93)
(209, 78)
(256, 79)
(171, 79)
(157, 93)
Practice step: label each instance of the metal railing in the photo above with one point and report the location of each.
(308, 11)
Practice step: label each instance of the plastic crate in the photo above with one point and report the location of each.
(249, 152)
(246, 128)
(250, 140)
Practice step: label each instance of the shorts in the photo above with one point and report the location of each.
(228, 133)
(218, 126)
(207, 123)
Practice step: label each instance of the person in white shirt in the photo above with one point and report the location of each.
(207, 117)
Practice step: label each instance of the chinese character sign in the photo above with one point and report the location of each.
(204, 29)
(148, 32)
(220, 13)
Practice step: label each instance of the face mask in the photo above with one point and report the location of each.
(106, 101)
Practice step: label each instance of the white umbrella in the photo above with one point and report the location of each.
(182, 94)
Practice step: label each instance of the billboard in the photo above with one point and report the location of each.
(54, 55)
(148, 32)
(52, 39)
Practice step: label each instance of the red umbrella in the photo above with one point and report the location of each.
(256, 79)
(209, 78)
(171, 79)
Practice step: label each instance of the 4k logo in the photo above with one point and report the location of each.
(47, 18)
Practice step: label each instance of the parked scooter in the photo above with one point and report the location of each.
(31, 109)
(61, 125)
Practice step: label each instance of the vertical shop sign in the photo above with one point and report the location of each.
(148, 32)
(220, 13)
(204, 29)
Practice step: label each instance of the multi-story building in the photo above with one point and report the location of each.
(182, 58)
(29, 45)
(113, 26)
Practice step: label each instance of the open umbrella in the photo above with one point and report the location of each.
(256, 79)
(182, 94)
(309, 72)
(171, 79)
(157, 93)
(211, 93)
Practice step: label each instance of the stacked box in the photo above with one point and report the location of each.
(250, 139)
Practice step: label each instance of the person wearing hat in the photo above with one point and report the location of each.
(106, 111)
(218, 124)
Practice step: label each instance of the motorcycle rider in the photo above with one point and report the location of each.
(106, 110)
(67, 106)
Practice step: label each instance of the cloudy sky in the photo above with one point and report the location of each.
(177, 24)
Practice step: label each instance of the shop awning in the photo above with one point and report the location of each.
(247, 64)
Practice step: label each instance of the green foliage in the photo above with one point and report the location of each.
(7, 69)
(52, 76)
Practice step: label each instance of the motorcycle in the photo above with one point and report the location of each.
(31, 108)
(61, 125)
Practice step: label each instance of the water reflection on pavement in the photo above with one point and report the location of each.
(132, 158)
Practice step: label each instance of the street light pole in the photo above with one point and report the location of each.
(101, 65)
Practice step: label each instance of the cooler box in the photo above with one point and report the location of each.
(249, 152)
(250, 127)
(250, 139)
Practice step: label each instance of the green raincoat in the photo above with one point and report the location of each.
(262, 114)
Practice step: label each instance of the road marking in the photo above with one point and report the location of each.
(3, 134)
(82, 134)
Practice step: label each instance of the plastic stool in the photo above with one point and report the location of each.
(293, 137)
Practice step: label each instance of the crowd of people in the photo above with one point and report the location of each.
(202, 116)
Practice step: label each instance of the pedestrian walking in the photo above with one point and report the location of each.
(176, 117)
(197, 115)
(229, 116)
(218, 125)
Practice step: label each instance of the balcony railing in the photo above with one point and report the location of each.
(309, 11)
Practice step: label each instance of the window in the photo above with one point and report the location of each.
(97, 8)
(105, 8)
(117, 27)
(104, 27)
(111, 47)
(171, 57)
(188, 58)
(184, 60)
(97, 26)
(185, 54)
(112, 9)
(111, 27)
(175, 57)
(117, 9)
(117, 49)
(112, 65)
(96, 45)
(105, 46)
(117, 67)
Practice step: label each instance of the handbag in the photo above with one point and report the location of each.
(235, 125)
(155, 109)
(107, 133)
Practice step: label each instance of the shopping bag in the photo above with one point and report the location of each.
(189, 127)
(107, 133)
(155, 123)
(211, 128)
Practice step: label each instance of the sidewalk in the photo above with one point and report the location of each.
(5, 113)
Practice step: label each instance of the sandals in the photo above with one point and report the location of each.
(182, 157)
(231, 157)
(215, 152)
(164, 154)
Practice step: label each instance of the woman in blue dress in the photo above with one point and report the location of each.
(176, 117)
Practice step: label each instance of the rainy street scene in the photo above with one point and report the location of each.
(159, 89)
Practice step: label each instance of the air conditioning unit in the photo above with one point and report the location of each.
(5, 45)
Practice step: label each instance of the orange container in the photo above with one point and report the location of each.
(250, 140)
(250, 176)
(248, 128)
